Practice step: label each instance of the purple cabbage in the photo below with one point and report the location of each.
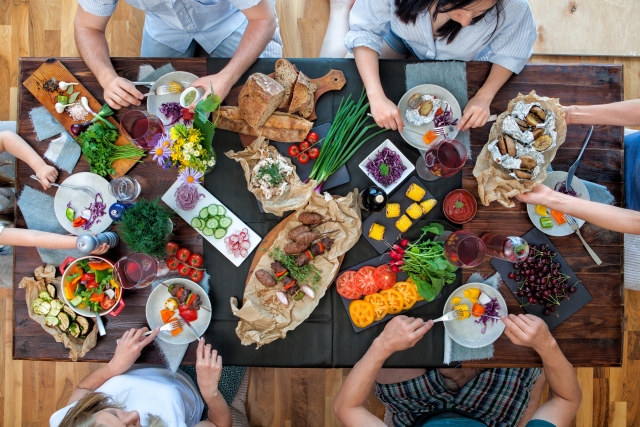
(387, 167)
(445, 119)
(492, 309)
(98, 209)
(561, 187)
(172, 110)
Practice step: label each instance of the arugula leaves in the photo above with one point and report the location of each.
(200, 121)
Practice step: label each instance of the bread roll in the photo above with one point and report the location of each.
(259, 98)
(279, 127)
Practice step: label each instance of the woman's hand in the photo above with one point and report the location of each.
(129, 348)
(539, 195)
(386, 114)
(476, 113)
(46, 174)
(208, 370)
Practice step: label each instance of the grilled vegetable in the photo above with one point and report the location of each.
(52, 290)
(376, 231)
(84, 325)
(70, 312)
(403, 223)
(44, 296)
(43, 308)
(63, 321)
(74, 330)
(56, 307)
(414, 211)
(415, 192)
(427, 205)
(393, 210)
(51, 321)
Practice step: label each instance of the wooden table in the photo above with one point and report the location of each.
(592, 337)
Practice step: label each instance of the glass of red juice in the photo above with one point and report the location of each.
(464, 249)
(136, 271)
(142, 128)
(444, 158)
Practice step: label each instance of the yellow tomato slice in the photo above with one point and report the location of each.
(380, 305)
(409, 293)
(361, 312)
(394, 299)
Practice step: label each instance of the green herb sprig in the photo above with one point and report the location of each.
(273, 173)
(145, 228)
(305, 275)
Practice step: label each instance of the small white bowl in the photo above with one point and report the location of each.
(407, 164)
(198, 91)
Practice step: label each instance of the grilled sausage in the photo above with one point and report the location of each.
(307, 238)
(265, 278)
(293, 248)
(293, 234)
(310, 218)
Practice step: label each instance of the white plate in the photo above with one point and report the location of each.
(565, 229)
(439, 92)
(81, 201)
(155, 101)
(208, 199)
(409, 166)
(155, 303)
(467, 332)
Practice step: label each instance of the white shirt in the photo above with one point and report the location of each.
(152, 391)
(510, 45)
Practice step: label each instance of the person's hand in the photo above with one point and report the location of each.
(539, 195)
(102, 248)
(221, 87)
(46, 174)
(527, 330)
(129, 348)
(208, 369)
(386, 114)
(476, 113)
(120, 92)
(567, 114)
(403, 332)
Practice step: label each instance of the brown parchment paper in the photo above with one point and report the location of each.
(34, 285)
(494, 182)
(263, 319)
(294, 198)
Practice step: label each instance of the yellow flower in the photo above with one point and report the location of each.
(174, 133)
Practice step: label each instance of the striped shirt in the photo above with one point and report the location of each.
(510, 45)
(176, 23)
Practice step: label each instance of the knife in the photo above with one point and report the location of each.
(186, 322)
(572, 169)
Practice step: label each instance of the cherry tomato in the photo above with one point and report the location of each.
(365, 280)
(92, 284)
(314, 152)
(86, 277)
(312, 137)
(303, 158)
(184, 270)
(183, 254)
(304, 145)
(197, 275)
(172, 248)
(384, 277)
(173, 264)
(195, 260)
(294, 150)
(107, 303)
(346, 285)
(186, 114)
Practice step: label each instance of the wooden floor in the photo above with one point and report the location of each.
(31, 391)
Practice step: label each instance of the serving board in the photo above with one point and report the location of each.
(568, 307)
(54, 68)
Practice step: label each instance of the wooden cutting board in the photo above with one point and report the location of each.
(54, 68)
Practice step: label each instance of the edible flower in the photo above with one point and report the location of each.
(161, 151)
(190, 176)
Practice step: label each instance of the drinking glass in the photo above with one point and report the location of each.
(443, 159)
(142, 128)
(464, 249)
(125, 189)
(136, 271)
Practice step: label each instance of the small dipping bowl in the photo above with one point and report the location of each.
(197, 94)
(462, 214)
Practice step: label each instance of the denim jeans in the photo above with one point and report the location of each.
(632, 170)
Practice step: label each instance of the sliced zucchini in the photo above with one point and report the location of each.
(213, 210)
(52, 290)
(76, 301)
(70, 312)
(219, 233)
(51, 321)
(204, 213)
(74, 330)
(84, 325)
(221, 210)
(56, 307)
(207, 231)
(64, 321)
(212, 223)
(44, 296)
(225, 222)
(44, 308)
(196, 223)
(36, 303)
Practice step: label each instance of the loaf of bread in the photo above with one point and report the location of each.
(259, 98)
(286, 75)
(281, 127)
(302, 101)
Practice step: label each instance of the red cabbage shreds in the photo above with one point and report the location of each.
(172, 110)
(561, 187)
(97, 209)
(491, 309)
(387, 167)
(445, 119)
(187, 196)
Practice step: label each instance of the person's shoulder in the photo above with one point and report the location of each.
(515, 8)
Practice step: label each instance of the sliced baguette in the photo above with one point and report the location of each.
(259, 98)
(286, 75)
(302, 101)
(281, 127)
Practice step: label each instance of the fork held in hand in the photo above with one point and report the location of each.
(575, 227)
(166, 327)
(86, 190)
(452, 315)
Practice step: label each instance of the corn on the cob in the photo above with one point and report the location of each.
(414, 211)
(415, 192)
(393, 210)
(175, 87)
(376, 231)
(456, 301)
(463, 311)
(403, 223)
(427, 205)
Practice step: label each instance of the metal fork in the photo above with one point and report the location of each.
(166, 327)
(574, 226)
(574, 166)
(452, 315)
(86, 190)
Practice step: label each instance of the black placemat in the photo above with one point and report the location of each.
(567, 306)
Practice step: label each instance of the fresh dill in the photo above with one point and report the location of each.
(273, 174)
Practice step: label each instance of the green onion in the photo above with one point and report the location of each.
(345, 137)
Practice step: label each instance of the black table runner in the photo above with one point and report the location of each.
(326, 339)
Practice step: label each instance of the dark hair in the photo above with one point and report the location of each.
(408, 10)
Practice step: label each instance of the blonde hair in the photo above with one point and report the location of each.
(81, 414)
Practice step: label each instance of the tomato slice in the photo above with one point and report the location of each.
(380, 305)
(362, 313)
(365, 280)
(346, 285)
(385, 278)
(107, 303)
(394, 299)
(409, 292)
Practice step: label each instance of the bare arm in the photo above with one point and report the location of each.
(92, 44)
(12, 143)
(209, 370)
(605, 216)
(477, 111)
(625, 113)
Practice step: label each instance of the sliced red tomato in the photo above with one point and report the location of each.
(183, 254)
(107, 303)
(365, 280)
(303, 158)
(314, 152)
(184, 270)
(173, 264)
(346, 285)
(187, 314)
(92, 284)
(172, 248)
(195, 260)
(197, 275)
(293, 150)
(304, 145)
(385, 278)
(312, 137)
(87, 277)
(97, 297)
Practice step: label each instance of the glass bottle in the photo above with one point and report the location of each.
(510, 248)
(372, 199)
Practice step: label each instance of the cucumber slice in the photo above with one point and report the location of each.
(76, 301)
(207, 231)
(221, 210)
(213, 209)
(196, 223)
(204, 213)
(225, 222)
(219, 233)
(212, 223)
